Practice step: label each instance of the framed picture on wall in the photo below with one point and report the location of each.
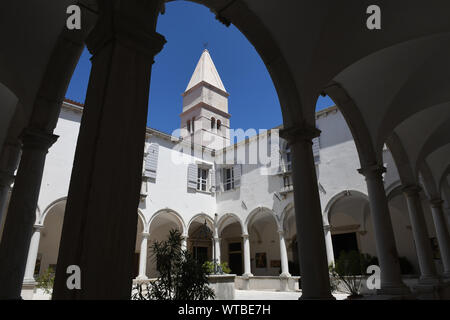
(261, 260)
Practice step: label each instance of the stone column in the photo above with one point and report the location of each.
(428, 273)
(143, 257)
(391, 278)
(99, 231)
(247, 262)
(217, 249)
(9, 159)
(36, 140)
(308, 214)
(441, 234)
(22, 212)
(184, 242)
(328, 244)
(283, 256)
(32, 255)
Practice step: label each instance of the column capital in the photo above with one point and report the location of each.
(372, 171)
(436, 202)
(327, 227)
(301, 133)
(38, 227)
(145, 235)
(245, 235)
(280, 232)
(34, 138)
(411, 189)
(218, 239)
(131, 23)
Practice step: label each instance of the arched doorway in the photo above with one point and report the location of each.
(200, 238)
(231, 247)
(264, 243)
(160, 225)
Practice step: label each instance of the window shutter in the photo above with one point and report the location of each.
(274, 156)
(192, 176)
(219, 179)
(151, 161)
(237, 175)
(212, 180)
(316, 149)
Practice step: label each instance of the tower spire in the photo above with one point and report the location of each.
(206, 71)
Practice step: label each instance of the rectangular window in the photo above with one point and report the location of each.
(288, 160)
(287, 181)
(228, 178)
(202, 178)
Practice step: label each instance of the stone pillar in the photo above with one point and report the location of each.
(143, 257)
(428, 273)
(32, 255)
(391, 278)
(217, 249)
(99, 233)
(22, 212)
(247, 262)
(184, 242)
(36, 140)
(283, 256)
(441, 234)
(328, 244)
(308, 214)
(9, 159)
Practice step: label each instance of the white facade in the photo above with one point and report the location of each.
(250, 206)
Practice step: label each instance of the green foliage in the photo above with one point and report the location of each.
(45, 280)
(348, 270)
(181, 277)
(209, 265)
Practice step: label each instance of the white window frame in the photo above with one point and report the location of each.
(202, 182)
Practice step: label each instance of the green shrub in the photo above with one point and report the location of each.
(45, 280)
(348, 270)
(209, 265)
(181, 277)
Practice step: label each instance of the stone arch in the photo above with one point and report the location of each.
(258, 210)
(394, 190)
(223, 218)
(172, 212)
(201, 215)
(145, 225)
(41, 219)
(289, 207)
(339, 196)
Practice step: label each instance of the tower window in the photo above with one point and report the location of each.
(189, 126)
(219, 124)
(193, 125)
(213, 123)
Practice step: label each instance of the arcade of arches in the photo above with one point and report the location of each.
(388, 101)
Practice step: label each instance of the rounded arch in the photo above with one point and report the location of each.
(201, 215)
(145, 226)
(394, 189)
(213, 123)
(254, 30)
(338, 196)
(170, 211)
(226, 217)
(284, 213)
(41, 219)
(260, 210)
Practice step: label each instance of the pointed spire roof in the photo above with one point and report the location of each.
(207, 72)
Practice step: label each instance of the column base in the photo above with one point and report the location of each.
(141, 278)
(247, 275)
(326, 297)
(285, 275)
(394, 290)
(429, 281)
(28, 288)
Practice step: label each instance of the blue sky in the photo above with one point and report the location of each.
(253, 102)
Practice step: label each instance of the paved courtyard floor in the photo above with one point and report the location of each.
(274, 295)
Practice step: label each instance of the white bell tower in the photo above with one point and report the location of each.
(205, 116)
